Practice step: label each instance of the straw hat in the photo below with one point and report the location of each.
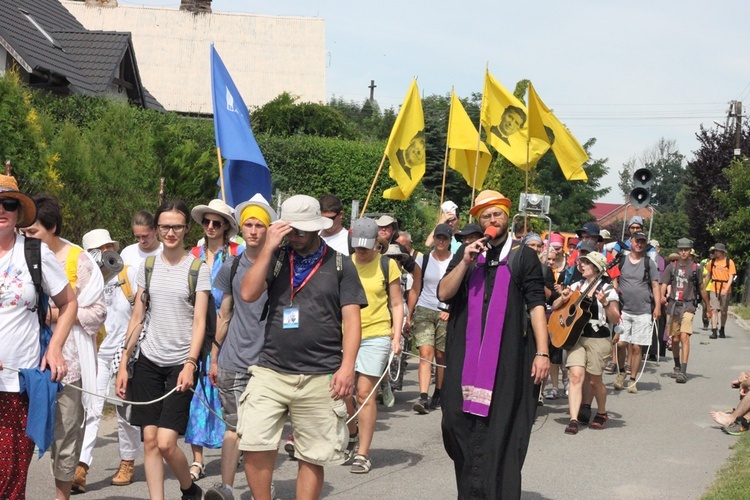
(488, 198)
(219, 208)
(9, 189)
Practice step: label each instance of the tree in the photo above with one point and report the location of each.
(666, 164)
(285, 116)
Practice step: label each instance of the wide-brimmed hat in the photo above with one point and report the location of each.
(364, 234)
(489, 198)
(9, 189)
(257, 200)
(599, 260)
(98, 238)
(394, 250)
(303, 213)
(605, 235)
(720, 247)
(216, 207)
(385, 220)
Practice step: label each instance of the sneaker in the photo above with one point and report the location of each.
(676, 371)
(681, 378)
(735, 428)
(124, 474)
(434, 402)
(552, 393)
(289, 446)
(273, 492)
(219, 491)
(566, 385)
(632, 389)
(79, 479)
(197, 494)
(620, 381)
(379, 397)
(388, 398)
(421, 407)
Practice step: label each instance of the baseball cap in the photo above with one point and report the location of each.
(469, 229)
(588, 246)
(443, 230)
(639, 235)
(364, 233)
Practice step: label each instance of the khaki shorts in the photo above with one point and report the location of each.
(428, 329)
(318, 421)
(682, 324)
(718, 301)
(590, 353)
(69, 430)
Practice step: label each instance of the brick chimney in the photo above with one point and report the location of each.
(102, 3)
(196, 6)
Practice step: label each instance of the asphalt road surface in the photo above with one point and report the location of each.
(658, 443)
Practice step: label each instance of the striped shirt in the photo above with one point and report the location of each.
(169, 321)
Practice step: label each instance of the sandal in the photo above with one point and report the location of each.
(611, 367)
(572, 427)
(201, 471)
(361, 465)
(599, 420)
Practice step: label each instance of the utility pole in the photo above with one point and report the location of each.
(372, 89)
(737, 128)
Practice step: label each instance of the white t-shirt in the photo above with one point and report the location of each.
(435, 272)
(132, 255)
(119, 311)
(339, 241)
(169, 321)
(19, 326)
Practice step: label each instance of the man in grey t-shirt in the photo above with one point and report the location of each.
(639, 285)
(240, 330)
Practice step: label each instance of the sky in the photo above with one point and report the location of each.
(624, 73)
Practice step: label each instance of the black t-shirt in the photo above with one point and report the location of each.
(314, 347)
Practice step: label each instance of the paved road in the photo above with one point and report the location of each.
(659, 443)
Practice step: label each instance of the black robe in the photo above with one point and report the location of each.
(488, 452)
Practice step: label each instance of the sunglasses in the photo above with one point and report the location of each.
(10, 204)
(216, 224)
(298, 233)
(332, 217)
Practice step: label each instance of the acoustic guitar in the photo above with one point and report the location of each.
(566, 323)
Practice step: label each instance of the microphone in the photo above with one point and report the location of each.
(489, 234)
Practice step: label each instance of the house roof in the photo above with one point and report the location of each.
(45, 38)
(266, 55)
(601, 210)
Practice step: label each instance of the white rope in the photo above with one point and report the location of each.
(654, 326)
(423, 359)
(375, 388)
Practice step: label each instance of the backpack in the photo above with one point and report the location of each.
(32, 250)
(693, 278)
(425, 261)
(646, 277)
(209, 336)
(125, 286)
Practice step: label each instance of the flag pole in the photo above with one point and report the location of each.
(221, 175)
(372, 187)
(528, 147)
(445, 159)
(479, 138)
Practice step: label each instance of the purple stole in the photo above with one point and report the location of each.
(483, 350)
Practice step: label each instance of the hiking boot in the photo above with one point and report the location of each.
(713, 334)
(434, 402)
(735, 428)
(79, 479)
(620, 381)
(197, 493)
(721, 333)
(219, 491)
(584, 414)
(421, 407)
(681, 378)
(124, 474)
(705, 325)
(632, 389)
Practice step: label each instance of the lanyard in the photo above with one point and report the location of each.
(294, 292)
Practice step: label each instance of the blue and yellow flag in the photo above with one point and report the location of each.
(569, 153)
(505, 121)
(462, 141)
(406, 147)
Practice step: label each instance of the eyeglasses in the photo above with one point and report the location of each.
(299, 233)
(216, 224)
(10, 204)
(636, 228)
(493, 215)
(176, 228)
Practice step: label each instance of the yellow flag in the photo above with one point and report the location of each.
(405, 148)
(505, 121)
(569, 153)
(462, 141)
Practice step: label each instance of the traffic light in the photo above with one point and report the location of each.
(640, 196)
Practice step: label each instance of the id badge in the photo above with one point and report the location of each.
(291, 318)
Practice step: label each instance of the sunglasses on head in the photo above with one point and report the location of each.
(216, 224)
(10, 204)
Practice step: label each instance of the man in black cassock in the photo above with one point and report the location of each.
(494, 356)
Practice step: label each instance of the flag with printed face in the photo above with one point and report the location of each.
(569, 153)
(406, 147)
(462, 141)
(246, 171)
(505, 121)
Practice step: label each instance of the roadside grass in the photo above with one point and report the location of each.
(741, 311)
(733, 479)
